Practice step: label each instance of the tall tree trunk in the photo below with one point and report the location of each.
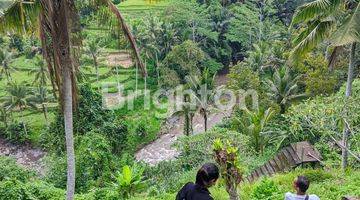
(282, 108)
(68, 120)
(191, 122)
(157, 69)
(57, 19)
(22, 120)
(334, 57)
(187, 124)
(4, 116)
(96, 69)
(44, 109)
(232, 191)
(349, 81)
(205, 120)
(117, 78)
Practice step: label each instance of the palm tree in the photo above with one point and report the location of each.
(53, 19)
(18, 99)
(321, 19)
(93, 49)
(4, 115)
(41, 73)
(202, 87)
(169, 37)
(149, 39)
(188, 110)
(283, 88)
(39, 97)
(5, 60)
(253, 124)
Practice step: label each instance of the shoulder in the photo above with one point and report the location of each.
(188, 186)
(313, 197)
(289, 196)
(184, 191)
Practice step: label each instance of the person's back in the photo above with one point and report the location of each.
(301, 184)
(291, 196)
(205, 178)
(192, 191)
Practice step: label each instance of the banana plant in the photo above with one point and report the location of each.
(129, 181)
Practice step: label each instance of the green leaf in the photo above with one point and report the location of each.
(315, 36)
(312, 10)
(349, 31)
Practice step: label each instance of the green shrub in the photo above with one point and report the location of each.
(89, 116)
(18, 132)
(14, 189)
(265, 190)
(10, 170)
(106, 194)
(94, 164)
(116, 133)
(44, 191)
(318, 119)
(182, 59)
(16, 42)
(56, 173)
(329, 185)
(317, 175)
(197, 149)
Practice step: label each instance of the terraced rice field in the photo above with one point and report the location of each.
(139, 8)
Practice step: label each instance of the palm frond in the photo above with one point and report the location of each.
(312, 10)
(349, 31)
(305, 32)
(315, 36)
(128, 34)
(20, 16)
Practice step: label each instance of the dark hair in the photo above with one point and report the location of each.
(207, 173)
(302, 183)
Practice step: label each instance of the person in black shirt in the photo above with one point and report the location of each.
(206, 177)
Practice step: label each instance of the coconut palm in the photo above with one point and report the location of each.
(39, 97)
(188, 110)
(41, 74)
(149, 35)
(93, 49)
(323, 20)
(4, 115)
(169, 38)
(202, 87)
(6, 69)
(54, 21)
(253, 124)
(17, 99)
(283, 88)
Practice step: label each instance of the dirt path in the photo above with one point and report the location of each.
(161, 149)
(25, 155)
